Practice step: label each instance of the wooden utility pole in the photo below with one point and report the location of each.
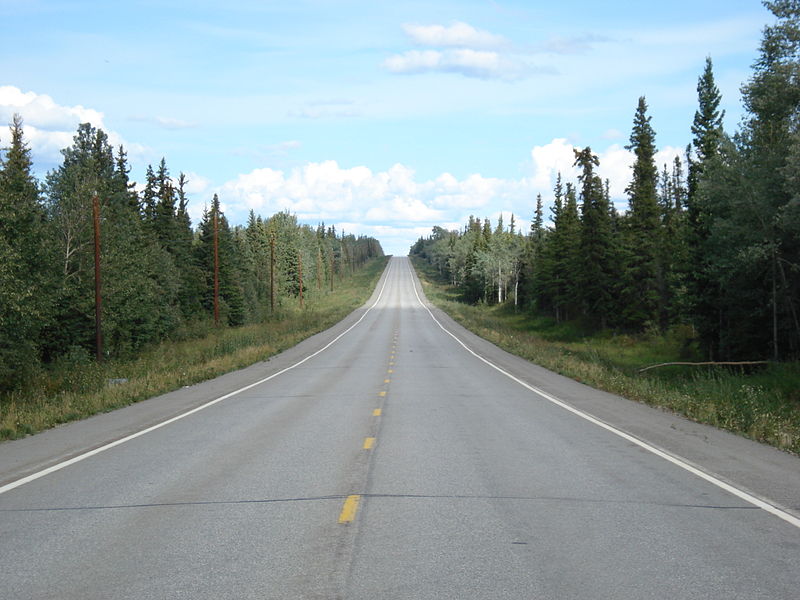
(98, 300)
(331, 270)
(216, 268)
(300, 276)
(319, 269)
(272, 273)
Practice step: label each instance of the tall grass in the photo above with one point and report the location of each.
(77, 387)
(762, 404)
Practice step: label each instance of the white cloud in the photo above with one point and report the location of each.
(462, 49)
(458, 34)
(414, 61)
(481, 64)
(474, 192)
(615, 165)
(395, 206)
(41, 111)
(325, 191)
(549, 160)
(49, 127)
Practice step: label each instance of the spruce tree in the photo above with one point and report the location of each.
(703, 293)
(27, 268)
(594, 288)
(707, 126)
(644, 270)
(139, 281)
(231, 297)
(546, 276)
(758, 270)
(191, 275)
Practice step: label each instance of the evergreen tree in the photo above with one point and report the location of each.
(672, 249)
(595, 242)
(27, 269)
(569, 258)
(532, 253)
(191, 275)
(139, 282)
(147, 205)
(644, 271)
(757, 269)
(703, 294)
(547, 276)
(706, 127)
(231, 298)
(164, 216)
(122, 171)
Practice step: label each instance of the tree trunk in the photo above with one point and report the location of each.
(774, 311)
(499, 284)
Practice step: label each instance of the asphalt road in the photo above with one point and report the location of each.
(394, 463)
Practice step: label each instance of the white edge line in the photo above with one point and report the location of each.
(676, 460)
(57, 467)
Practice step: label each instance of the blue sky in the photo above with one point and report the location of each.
(384, 118)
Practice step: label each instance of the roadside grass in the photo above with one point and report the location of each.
(77, 387)
(762, 404)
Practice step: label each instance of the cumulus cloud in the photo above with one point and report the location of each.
(615, 165)
(50, 127)
(326, 191)
(551, 159)
(42, 112)
(460, 35)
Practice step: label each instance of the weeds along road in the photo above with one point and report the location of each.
(394, 463)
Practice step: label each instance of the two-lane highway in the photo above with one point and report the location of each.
(392, 464)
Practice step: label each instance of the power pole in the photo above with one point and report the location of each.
(331, 269)
(300, 275)
(216, 268)
(272, 273)
(319, 269)
(98, 300)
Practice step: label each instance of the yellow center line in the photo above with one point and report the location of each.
(349, 509)
(376, 412)
(368, 443)
(381, 394)
(390, 371)
(387, 381)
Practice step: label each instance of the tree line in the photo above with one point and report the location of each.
(158, 272)
(711, 241)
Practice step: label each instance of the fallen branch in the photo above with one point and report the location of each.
(738, 363)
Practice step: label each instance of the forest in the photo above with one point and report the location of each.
(710, 243)
(159, 274)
